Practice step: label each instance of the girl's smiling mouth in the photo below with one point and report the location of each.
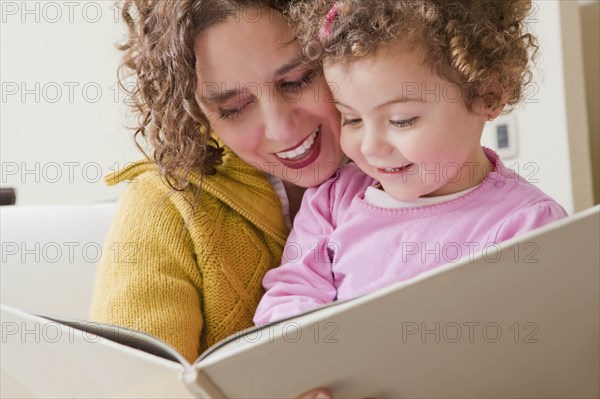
(393, 172)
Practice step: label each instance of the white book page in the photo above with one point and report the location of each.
(49, 359)
(520, 322)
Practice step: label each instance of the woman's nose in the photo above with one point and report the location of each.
(281, 119)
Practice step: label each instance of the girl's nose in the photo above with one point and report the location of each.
(374, 143)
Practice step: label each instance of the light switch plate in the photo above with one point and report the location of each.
(501, 135)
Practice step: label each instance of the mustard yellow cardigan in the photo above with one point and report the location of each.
(190, 280)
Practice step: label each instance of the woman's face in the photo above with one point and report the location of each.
(263, 102)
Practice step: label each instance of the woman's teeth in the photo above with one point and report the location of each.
(302, 149)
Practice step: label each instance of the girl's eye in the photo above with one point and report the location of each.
(298, 84)
(350, 121)
(233, 113)
(405, 123)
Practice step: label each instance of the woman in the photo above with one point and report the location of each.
(197, 227)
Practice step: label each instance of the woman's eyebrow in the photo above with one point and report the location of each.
(216, 96)
(289, 66)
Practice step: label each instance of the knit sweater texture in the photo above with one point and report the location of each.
(190, 279)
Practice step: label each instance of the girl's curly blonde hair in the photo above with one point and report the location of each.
(159, 54)
(472, 43)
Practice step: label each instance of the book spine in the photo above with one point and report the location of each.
(200, 385)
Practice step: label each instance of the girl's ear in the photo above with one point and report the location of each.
(491, 101)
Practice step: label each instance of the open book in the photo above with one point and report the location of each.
(520, 319)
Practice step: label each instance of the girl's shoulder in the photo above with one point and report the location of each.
(348, 177)
(341, 188)
(352, 171)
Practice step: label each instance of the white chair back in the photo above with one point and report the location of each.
(49, 255)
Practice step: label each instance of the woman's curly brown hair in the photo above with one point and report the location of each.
(472, 43)
(159, 55)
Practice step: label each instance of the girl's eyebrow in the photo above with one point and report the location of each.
(400, 100)
(336, 102)
(217, 96)
(394, 101)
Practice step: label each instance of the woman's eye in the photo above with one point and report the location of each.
(298, 84)
(350, 121)
(404, 123)
(233, 113)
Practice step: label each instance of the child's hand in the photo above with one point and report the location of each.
(319, 393)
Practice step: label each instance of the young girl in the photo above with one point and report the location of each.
(415, 82)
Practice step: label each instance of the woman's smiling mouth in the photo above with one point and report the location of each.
(301, 149)
(303, 154)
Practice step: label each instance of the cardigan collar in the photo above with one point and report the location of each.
(244, 188)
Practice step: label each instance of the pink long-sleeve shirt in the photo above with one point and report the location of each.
(342, 247)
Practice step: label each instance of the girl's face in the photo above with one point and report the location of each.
(263, 102)
(407, 127)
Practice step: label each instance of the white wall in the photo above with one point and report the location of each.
(50, 136)
(61, 123)
(552, 149)
(589, 12)
(576, 110)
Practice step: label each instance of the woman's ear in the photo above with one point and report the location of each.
(491, 101)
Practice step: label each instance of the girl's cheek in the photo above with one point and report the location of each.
(350, 143)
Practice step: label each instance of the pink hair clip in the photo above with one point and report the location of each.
(329, 18)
